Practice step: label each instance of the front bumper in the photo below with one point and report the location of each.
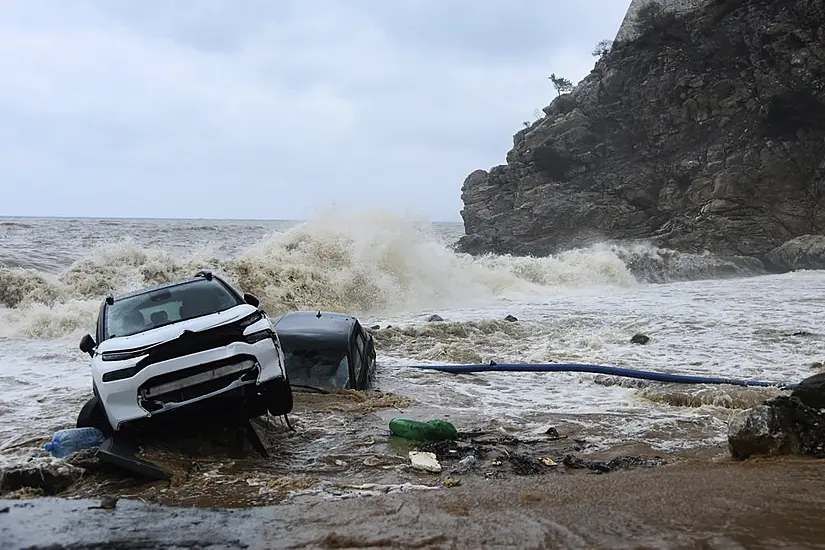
(183, 381)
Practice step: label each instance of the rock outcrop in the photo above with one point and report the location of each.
(805, 252)
(704, 133)
(781, 426)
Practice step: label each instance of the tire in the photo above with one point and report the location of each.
(278, 397)
(92, 415)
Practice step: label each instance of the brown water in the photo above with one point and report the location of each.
(691, 504)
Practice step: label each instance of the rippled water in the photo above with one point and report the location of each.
(582, 306)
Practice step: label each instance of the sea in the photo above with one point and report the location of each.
(395, 272)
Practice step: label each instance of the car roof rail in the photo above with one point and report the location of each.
(204, 273)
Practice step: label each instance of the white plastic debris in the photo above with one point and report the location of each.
(424, 461)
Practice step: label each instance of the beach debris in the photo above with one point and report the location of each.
(108, 502)
(640, 339)
(618, 463)
(424, 461)
(434, 318)
(547, 461)
(416, 430)
(511, 319)
(451, 482)
(524, 465)
(552, 433)
(464, 465)
(782, 426)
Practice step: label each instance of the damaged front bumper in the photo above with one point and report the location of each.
(237, 369)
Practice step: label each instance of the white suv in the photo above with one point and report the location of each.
(193, 346)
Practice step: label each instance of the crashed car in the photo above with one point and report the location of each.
(196, 346)
(326, 350)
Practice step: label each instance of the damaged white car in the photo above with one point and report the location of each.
(194, 350)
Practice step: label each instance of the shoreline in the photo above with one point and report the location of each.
(694, 503)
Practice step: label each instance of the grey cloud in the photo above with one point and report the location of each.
(138, 108)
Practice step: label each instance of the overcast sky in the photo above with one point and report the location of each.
(273, 109)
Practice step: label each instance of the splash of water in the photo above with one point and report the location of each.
(362, 264)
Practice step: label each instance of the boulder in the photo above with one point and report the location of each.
(781, 426)
(640, 339)
(811, 391)
(805, 252)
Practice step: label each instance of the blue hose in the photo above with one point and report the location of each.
(601, 369)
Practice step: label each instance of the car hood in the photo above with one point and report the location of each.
(170, 332)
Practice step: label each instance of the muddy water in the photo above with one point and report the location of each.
(757, 505)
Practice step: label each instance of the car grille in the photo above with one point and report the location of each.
(187, 384)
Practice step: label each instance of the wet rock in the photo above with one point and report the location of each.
(375, 327)
(805, 252)
(86, 459)
(618, 463)
(50, 477)
(811, 391)
(511, 319)
(689, 145)
(782, 426)
(435, 319)
(640, 339)
(816, 365)
(4, 510)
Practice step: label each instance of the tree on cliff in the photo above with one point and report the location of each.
(562, 85)
(602, 48)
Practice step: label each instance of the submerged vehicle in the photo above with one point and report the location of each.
(194, 346)
(326, 350)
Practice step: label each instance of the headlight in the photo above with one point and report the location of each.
(250, 320)
(123, 355)
(258, 336)
(121, 374)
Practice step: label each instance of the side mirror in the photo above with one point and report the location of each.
(87, 344)
(251, 300)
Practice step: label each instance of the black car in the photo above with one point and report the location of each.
(326, 350)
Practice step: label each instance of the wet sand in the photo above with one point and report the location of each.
(340, 481)
(693, 504)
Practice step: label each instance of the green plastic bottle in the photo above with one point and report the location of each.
(432, 430)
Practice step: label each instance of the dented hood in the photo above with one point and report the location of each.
(170, 332)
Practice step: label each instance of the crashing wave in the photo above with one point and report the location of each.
(367, 264)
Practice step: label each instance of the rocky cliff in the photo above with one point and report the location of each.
(705, 132)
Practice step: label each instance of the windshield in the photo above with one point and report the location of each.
(165, 306)
(318, 367)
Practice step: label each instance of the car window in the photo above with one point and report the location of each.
(164, 306)
(318, 367)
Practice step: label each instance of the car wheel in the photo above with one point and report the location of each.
(92, 415)
(278, 396)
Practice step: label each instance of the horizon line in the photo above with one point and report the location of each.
(148, 218)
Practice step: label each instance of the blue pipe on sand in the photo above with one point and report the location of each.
(601, 369)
